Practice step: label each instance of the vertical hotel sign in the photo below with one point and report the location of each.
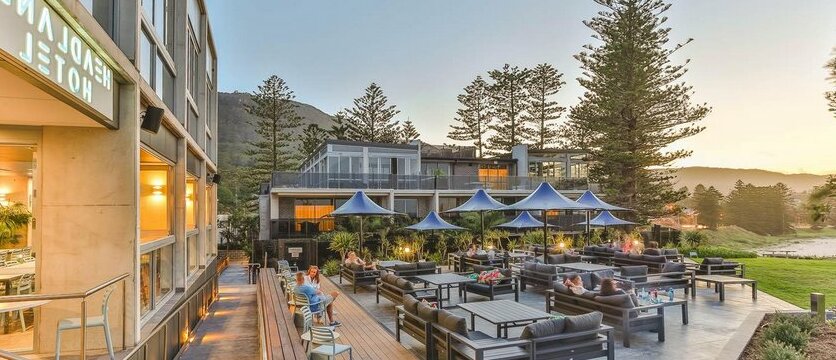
(36, 35)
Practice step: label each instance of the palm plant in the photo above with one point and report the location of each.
(12, 218)
(418, 242)
(463, 240)
(343, 241)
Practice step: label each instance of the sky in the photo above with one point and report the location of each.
(758, 64)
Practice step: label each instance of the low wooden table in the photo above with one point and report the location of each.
(504, 314)
(447, 280)
(720, 282)
(585, 267)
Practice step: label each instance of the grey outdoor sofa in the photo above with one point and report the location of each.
(395, 288)
(357, 275)
(508, 285)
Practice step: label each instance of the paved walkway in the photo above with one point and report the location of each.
(230, 330)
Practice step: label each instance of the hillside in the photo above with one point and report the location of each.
(723, 179)
(234, 128)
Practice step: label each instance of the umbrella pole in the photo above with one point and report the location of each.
(482, 227)
(360, 241)
(588, 229)
(545, 237)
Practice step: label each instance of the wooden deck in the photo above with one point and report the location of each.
(280, 339)
(369, 338)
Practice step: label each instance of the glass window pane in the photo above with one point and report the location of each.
(145, 56)
(191, 203)
(333, 164)
(159, 18)
(355, 165)
(165, 267)
(192, 252)
(158, 77)
(344, 165)
(155, 201)
(145, 283)
(148, 8)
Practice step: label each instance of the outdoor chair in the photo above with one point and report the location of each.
(92, 321)
(302, 300)
(719, 266)
(307, 324)
(358, 275)
(327, 344)
(507, 285)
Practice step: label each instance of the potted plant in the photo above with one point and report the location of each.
(12, 218)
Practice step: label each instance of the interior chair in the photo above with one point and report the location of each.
(92, 321)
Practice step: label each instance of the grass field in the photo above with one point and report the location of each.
(736, 238)
(793, 280)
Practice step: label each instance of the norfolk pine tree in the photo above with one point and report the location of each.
(831, 75)
(312, 137)
(544, 83)
(275, 123)
(371, 118)
(635, 105)
(509, 100)
(339, 129)
(409, 132)
(472, 119)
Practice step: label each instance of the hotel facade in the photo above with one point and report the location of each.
(410, 178)
(109, 201)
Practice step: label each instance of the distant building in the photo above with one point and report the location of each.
(410, 178)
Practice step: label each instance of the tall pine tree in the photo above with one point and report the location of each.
(409, 132)
(275, 122)
(635, 105)
(544, 83)
(707, 204)
(312, 137)
(372, 119)
(831, 95)
(509, 99)
(473, 118)
(339, 128)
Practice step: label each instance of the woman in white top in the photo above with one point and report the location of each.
(312, 277)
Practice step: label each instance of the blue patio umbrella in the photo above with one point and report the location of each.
(361, 206)
(523, 221)
(480, 202)
(433, 222)
(605, 219)
(595, 203)
(545, 198)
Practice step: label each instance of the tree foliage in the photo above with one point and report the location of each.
(339, 127)
(635, 105)
(543, 110)
(831, 95)
(372, 118)
(312, 137)
(409, 132)
(509, 100)
(820, 203)
(275, 124)
(759, 209)
(474, 115)
(707, 202)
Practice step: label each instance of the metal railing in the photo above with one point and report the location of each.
(420, 182)
(83, 296)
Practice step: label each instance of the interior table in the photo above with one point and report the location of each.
(720, 282)
(10, 273)
(10, 307)
(585, 267)
(447, 280)
(504, 314)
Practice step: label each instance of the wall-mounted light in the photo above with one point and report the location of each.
(157, 190)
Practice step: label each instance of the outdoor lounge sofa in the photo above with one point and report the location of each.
(395, 288)
(573, 337)
(673, 276)
(603, 254)
(415, 269)
(466, 263)
(718, 266)
(669, 253)
(508, 285)
(564, 258)
(619, 311)
(532, 273)
(357, 275)
(654, 263)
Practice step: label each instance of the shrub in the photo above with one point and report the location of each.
(693, 238)
(788, 334)
(804, 322)
(434, 256)
(331, 267)
(715, 251)
(776, 350)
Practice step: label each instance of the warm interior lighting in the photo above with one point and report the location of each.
(406, 250)
(561, 245)
(635, 242)
(157, 190)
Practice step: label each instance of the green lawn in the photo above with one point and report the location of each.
(736, 238)
(793, 280)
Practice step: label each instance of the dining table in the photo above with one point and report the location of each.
(13, 272)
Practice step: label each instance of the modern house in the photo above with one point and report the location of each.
(410, 178)
(108, 123)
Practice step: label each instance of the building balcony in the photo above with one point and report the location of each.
(297, 180)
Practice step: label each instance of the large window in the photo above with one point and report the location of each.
(494, 177)
(156, 277)
(311, 211)
(191, 203)
(155, 14)
(156, 203)
(191, 253)
(407, 206)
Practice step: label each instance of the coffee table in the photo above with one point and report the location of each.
(665, 302)
(585, 267)
(390, 263)
(447, 280)
(504, 314)
(720, 282)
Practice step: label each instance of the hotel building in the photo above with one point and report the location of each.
(106, 197)
(410, 178)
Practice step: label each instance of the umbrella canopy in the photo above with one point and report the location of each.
(595, 203)
(605, 218)
(523, 221)
(546, 198)
(480, 201)
(360, 205)
(433, 222)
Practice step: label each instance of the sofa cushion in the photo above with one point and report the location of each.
(410, 304)
(405, 267)
(390, 278)
(507, 276)
(356, 267)
(426, 265)
(583, 322)
(635, 271)
(481, 268)
(621, 300)
(570, 258)
(590, 294)
(621, 255)
(653, 251)
(635, 256)
(599, 276)
(543, 328)
(655, 258)
(611, 250)
(404, 284)
(546, 269)
(561, 288)
(456, 324)
(712, 261)
(427, 313)
(673, 267)
(557, 259)
(480, 257)
(671, 252)
(530, 266)
(589, 248)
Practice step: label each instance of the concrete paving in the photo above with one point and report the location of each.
(711, 325)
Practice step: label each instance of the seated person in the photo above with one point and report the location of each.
(575, 284)
(353, 259)
(312, 277)
(472, 251)
(610, 287)
(316, 297)
(480, 251)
